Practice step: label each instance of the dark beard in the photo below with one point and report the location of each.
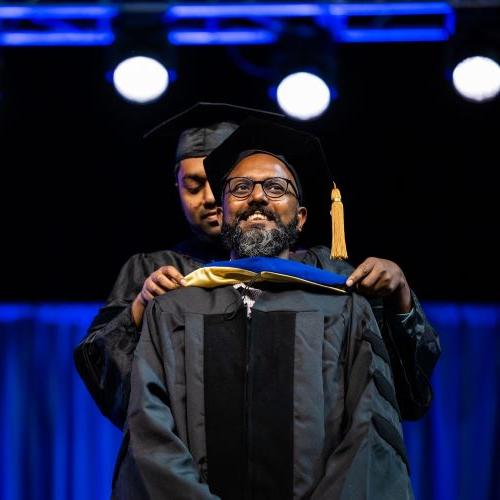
(259, 242)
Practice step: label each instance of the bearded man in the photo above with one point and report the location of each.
(263, 377)
(104, 357)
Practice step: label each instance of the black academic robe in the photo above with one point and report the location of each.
(296, 401)
(410, 339)
(104, 357)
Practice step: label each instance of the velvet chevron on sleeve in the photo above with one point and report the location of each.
(412, 343)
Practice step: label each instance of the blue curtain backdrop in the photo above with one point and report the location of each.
(56, 445)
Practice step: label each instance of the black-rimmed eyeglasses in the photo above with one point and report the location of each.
(273, 187)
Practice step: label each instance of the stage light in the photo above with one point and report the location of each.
(222, 37)
(303, 96)
(477, 78)
(53, 25)
(140, 79)
(251, 10)
(370, 22)
(391, 22)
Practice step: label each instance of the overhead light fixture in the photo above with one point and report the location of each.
(303, 95)
(391, 22)
(140, 79)
(477, 78)
(222, 37)
(54, 25)
(346, 22)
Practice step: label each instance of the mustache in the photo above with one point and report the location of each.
(263, 210)
(259, 242)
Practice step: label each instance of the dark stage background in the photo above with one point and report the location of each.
(81, 192)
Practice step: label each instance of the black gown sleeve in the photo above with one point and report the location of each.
(370, 459)
(104, 357)
(414, 349)
(411, 341)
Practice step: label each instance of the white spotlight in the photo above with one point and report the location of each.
(140, 79)
(477, 78)
(303, 95)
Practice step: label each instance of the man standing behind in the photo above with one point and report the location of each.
(104, 357)
(271, 390)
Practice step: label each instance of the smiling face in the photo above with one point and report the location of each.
(197, 199)
(267, 219)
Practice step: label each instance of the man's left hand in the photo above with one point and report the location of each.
(382, 278)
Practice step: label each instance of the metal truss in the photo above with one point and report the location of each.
(230, 24)
(57, 24)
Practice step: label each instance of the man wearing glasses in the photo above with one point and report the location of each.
(263, 378)
(104, 357)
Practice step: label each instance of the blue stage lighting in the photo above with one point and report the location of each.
(33, 12)
(26, 38)
(203, 11)
(343, 14)
(68, 24)
(390, 9)
(392, 35)
(434, 21)
(57, 25)
(223, 37)
(62, 24)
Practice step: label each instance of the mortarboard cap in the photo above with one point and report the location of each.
(300, 151)
(201, 128)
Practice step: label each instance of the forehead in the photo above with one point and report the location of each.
(261, 166)
(191, 167)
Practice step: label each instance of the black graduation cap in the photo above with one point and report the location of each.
(300, 151)
(202, 127)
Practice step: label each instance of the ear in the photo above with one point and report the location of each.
(302, 217)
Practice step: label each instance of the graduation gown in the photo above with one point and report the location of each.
(296, 401)
(411, 341)
(104, 357)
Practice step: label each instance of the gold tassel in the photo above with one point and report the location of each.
(338, 250)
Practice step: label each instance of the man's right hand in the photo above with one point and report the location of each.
(157, 283)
